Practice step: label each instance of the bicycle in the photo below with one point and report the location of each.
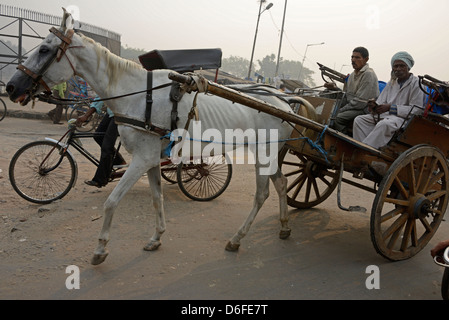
(444, 262)
(3, 109)
(45, 171)
(92, 122)
(78, 90)
(82, 95)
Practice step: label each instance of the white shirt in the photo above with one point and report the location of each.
(406, 97)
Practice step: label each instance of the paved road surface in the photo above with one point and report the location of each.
(326, 257)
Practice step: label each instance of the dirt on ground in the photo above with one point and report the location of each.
(326, 257)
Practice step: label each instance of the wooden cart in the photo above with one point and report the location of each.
(410, 176)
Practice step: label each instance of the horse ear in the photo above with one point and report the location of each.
(67, 21)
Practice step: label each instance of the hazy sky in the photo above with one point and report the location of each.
(383, 26)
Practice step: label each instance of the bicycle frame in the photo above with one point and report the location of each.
(73, 140)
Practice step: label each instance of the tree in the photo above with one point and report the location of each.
(131, 53)
(236, 66)
(288, 69)
(267, 66)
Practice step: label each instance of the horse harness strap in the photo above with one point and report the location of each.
(66, 41)
(37, 77)
(175, 96)
(140, 124)
(149, 100)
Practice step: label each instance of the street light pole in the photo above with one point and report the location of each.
(304, 59)
(280, 43)
(255, 34)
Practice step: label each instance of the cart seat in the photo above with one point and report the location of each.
(182, 61)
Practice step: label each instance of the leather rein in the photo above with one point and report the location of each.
(37, 77)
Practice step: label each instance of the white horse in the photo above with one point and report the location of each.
(64, 54)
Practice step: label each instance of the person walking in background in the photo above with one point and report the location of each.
(59, 92)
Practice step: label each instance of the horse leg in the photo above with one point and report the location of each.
(262, 193)
(280, 184)
(154, 178)
(131, 176)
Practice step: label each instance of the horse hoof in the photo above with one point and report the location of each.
(284, 234)
(152, 246)
(232, 246)
(98, 258)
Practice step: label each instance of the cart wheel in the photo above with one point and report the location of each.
(169, 172)
(410, 203)
(204, 181)
(309, 183)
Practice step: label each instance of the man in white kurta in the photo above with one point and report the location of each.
(401, 98)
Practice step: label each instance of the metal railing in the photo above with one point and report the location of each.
(15, 12)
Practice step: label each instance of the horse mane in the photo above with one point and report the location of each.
(115, 65)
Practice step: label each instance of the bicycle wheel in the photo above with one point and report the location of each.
(169, 172)
(204, 181)
(2, 109)
(41, 173)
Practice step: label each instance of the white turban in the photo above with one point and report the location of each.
(405, 57)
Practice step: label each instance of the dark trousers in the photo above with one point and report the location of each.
(56, 113)
(107, 144)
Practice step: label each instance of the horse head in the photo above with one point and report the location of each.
(45, 67)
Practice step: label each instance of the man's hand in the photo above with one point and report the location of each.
(438, 250)
(372, 106)
(331, 86)
(382, 108)
(375, 108)
(84, 117)
(81, 120)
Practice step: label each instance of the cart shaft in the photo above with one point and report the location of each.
(194, 82)
(202, 85)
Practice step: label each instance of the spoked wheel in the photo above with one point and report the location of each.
(204, 181)
(410, 203)
(309, 183)
(40, 173)
(169, 172)
(3, 109)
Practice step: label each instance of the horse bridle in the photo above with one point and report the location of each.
(37, 77)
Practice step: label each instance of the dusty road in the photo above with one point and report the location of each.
(326, 256)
